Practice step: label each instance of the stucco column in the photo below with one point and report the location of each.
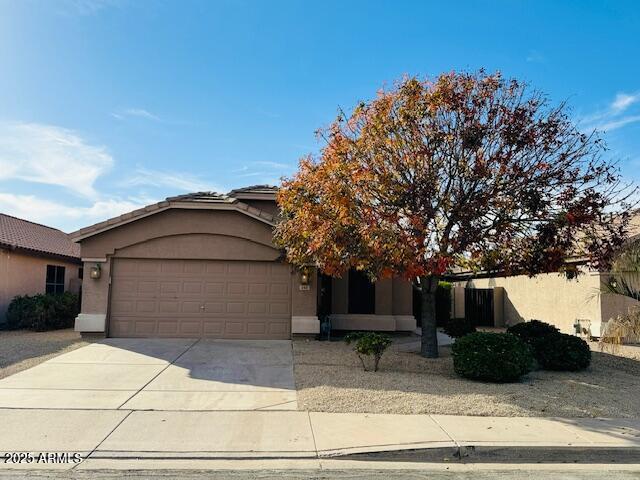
(384, 296)
(403, 305)
(95, 299)
(304, 304)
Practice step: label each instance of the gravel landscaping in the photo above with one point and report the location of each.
(22, 349)
(329, 378)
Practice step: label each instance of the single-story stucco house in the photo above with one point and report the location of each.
(204, 264)
(35, 259)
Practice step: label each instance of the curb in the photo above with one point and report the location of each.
(502, 454)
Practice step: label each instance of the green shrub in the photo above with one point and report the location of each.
(459, 327)
(17, 310)
(533, 329)
(492, 357)
(369, 344)
(563, 352)
(43, 312)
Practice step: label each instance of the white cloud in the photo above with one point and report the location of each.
(135, 112)
(51, 155)
(611, 118)
(535, 56)
(65, 217)
(624, 101)
(615, 124)
(275, 165)
(175, 180)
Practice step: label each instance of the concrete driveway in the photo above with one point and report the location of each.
(160, 374)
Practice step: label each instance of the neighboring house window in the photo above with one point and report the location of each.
(55, 279)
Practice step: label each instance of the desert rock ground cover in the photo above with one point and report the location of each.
(329, 378)
(22, 349)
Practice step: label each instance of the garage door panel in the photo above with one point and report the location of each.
(144, 327)
(256, 328)
(278, 328)
(190, 328)
(234, 328)
(191, 307)
(214, 288)
(167, 288)
(213, 328)
(236, 288)
(235, 307)
(168, 307)
(279, 289)
(212, 308)
(279, 308)
(237, 268)
(192, 288)
(222, 299)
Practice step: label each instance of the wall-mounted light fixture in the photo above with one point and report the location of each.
(95, 272)
(304, 276)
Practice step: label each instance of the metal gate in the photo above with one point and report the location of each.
(478, 306)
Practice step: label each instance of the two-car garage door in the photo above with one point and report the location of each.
(194, 298)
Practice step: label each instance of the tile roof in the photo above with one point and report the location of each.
(205, 197)
(29, 236)
(261, 189)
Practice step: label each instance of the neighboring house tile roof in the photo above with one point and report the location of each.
(16, 233)
(255, 189)
(206, 197)
(212, 200)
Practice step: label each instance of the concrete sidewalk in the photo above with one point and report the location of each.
(111, 437)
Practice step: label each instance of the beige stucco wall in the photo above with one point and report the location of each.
(181, 222)
(402, 297)
(614, 305)
(548, 297)
(22, 274)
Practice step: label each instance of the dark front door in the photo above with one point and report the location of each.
(325, 284)
(362, 293)
(478, 306)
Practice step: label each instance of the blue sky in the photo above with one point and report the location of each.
(106, 105)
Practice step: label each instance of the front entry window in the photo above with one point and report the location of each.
(362, 293)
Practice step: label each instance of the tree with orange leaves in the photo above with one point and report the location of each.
(469, 171)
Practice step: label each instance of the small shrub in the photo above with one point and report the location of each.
(533, 329)
(17, 311)
(369, 344)
(459, 327)
(492, 357)
(43, 312)
(563, 352)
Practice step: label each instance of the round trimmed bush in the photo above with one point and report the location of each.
(458, 327)
(492, 357)
(563, 352)
(533, 329)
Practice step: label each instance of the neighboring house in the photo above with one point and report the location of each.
(35, 259)
(549, 297)
(204, 264)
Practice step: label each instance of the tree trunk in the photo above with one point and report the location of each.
(429, 340)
